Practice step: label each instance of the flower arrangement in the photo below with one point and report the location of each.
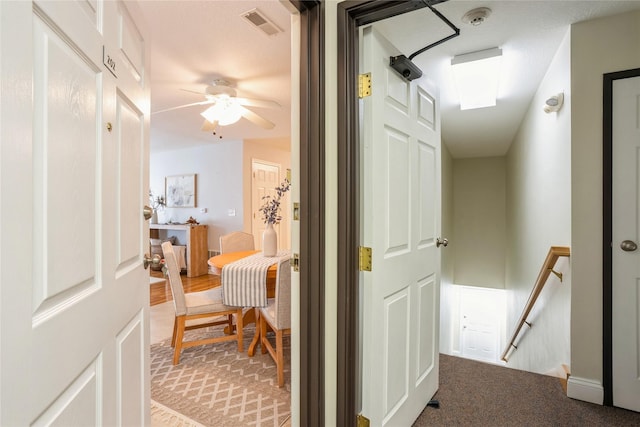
(157, 202)
(270, 209)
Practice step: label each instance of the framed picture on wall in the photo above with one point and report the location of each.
(180, 191)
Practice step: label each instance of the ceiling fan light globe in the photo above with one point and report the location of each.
(225, 112)
(229, 115)
(211, 114)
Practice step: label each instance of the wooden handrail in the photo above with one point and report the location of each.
(555, 252)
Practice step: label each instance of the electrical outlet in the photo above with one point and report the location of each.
(203, 210)
(231, 212)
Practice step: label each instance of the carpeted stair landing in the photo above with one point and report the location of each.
(479, 394)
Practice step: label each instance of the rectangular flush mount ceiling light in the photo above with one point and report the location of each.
(476, 77)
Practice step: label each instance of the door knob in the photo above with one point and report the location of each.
(154, 260)
(147, 211)
(441, 242)
(628, 246)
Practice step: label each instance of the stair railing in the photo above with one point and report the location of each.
(555, 252)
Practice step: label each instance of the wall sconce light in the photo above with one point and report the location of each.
(476, 78)
(554, 104)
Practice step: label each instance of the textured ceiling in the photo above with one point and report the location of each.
(195, 42)
(529, 33)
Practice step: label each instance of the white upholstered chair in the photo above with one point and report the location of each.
(277, 317)
(198, 305)
(236, 241)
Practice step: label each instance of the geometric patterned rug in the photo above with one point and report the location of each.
(214, 385)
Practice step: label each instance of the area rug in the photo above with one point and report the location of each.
(214, 385)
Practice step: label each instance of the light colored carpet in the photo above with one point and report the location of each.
(162, 416)
(214, 385)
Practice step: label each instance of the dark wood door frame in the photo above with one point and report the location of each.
(312, 178)
(351, 15)
(607, 230)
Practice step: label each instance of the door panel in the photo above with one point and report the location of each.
(427, 194)
(131, 397)
(427, 308)
(130, 142)
(400, 164)
(79, 398)
(397, 192)
(75, 308)
(396, 318)
(626, 226)
(66, 84)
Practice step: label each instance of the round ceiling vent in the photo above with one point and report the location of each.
(477, 16)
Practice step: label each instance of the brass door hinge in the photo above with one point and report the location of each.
(362, 421)
(295, 262)
(296, 211)
(364, 258)
(364, 85)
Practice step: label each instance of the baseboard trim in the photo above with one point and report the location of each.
(584, 389)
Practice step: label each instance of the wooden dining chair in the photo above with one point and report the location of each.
(198, 305)
(277, 317)
(236, 241)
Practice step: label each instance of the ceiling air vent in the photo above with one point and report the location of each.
(261, 22)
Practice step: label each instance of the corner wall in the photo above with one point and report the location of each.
(597, 47)
(538, 217)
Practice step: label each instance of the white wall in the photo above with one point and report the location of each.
(219, 185)
(597, 47)
(538, 217)
(449, 325)
(223, 183)
(479, 221)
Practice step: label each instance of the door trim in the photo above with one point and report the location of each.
(607, 229)
(312, 206)
(351, 15)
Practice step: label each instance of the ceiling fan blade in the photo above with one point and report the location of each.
(207, 126)
(185, 106)
(193, 91)
(256, 119)
(257, 103)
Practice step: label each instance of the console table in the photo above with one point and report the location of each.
(196, 243)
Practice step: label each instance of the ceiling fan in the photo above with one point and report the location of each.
(226, 108)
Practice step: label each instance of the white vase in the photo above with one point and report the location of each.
(154, 217)
(269, 241)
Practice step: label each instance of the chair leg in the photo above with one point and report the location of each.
(263, 334)
(239, 330)
(173, 337)
(280, 357)
(180, 324)
(230, 323)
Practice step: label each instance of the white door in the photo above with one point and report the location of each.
(626, 228)
(401, 219)
(74, 295)
(480, 311)
(265, 177)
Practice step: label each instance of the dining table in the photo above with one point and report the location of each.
(243, 263)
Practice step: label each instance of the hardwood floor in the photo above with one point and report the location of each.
(161, 292)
